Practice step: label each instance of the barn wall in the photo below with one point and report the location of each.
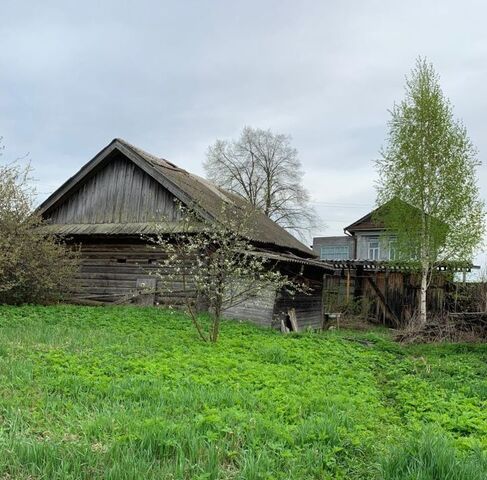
(112, 271)
(308, 308)
(120, 192)
(398, 298)
(258, 309)
(401, 293)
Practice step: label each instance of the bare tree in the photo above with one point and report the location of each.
(264, 168)
(213, 263)
(35, 267)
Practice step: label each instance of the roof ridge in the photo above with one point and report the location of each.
(149, 156)
(220, 192)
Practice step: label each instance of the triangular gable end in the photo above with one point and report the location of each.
(364, 223)
(115, 186)
(367, 222)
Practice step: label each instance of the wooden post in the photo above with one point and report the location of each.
(323, 301)
(347, 297)
(456, 297)
(146, 289)
(377, 304)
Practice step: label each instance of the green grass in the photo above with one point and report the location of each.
(131, 393)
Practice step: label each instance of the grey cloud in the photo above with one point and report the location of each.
(173, 76)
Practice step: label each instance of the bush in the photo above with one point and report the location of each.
(35, 267)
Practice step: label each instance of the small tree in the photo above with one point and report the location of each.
(213, 264)
(34, 267)
(264, 168)
(428, 169)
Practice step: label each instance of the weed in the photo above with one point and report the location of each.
(429, 455)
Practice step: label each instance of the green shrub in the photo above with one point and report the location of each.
(35, 266)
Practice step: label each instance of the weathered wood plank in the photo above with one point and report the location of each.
(118, 192)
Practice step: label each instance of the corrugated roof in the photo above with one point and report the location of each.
(282, 257)
(210, 198)
(189, 188)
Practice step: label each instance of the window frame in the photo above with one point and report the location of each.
(392, 248)
(374, 240)
(344, 255)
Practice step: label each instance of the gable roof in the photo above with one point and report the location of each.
(369, 221)
(364, 223)
(190, 189)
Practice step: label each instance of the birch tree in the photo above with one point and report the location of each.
(429, 164)
(264, 168)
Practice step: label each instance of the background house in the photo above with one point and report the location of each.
(384, 292)
(364, 239)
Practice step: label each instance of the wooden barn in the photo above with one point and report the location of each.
(113, 202)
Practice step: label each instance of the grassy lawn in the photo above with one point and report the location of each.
(130, 393)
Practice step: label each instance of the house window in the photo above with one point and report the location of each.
(335, 252)
(374, 249)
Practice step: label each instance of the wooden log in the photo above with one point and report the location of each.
(292, 318)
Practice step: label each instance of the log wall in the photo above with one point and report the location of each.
(258, 309)
(114, 272)
(111, 272)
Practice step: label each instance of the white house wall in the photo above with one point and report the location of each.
(363, 239)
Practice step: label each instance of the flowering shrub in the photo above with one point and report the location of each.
(215, 264)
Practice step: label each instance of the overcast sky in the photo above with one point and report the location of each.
(171, 77)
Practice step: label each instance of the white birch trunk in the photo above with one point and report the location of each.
(424, 269)
(422, 295)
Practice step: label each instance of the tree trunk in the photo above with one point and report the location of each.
(217, 309)
(422, 295)
(424, 267)
(216, 324)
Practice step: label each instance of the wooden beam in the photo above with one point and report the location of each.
(292, 318)
(382, 301)
(347, 295)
